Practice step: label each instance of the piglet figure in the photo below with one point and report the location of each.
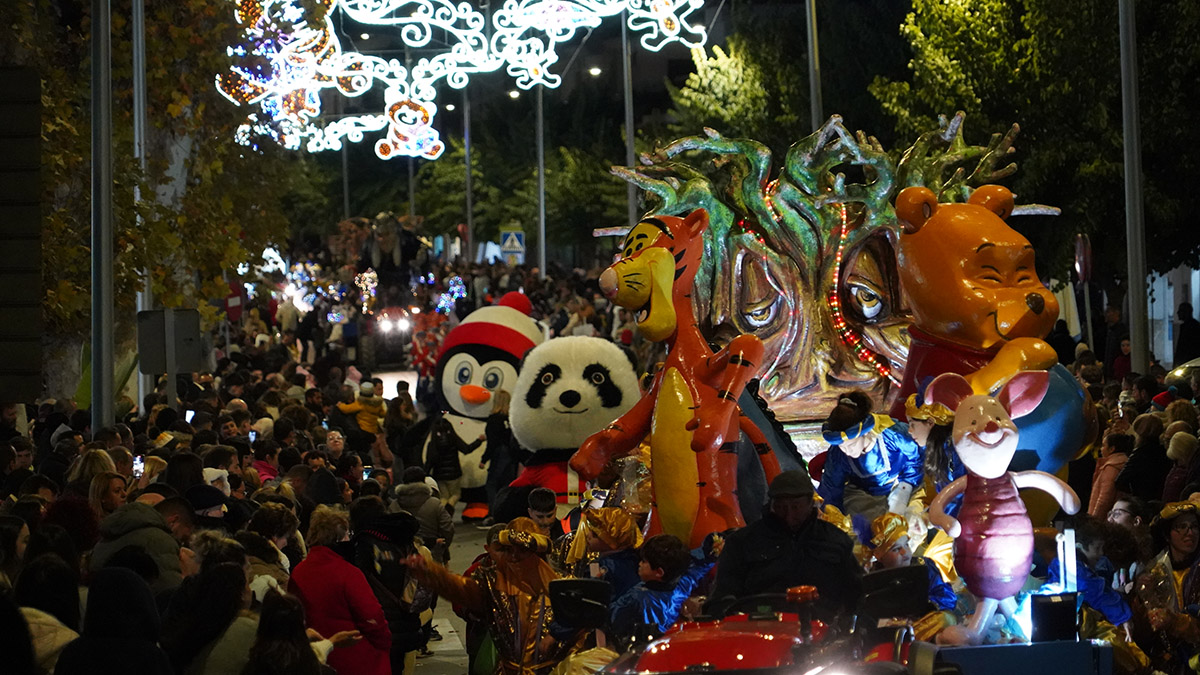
(993, 546)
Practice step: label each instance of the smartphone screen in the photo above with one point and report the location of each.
(367, 471)
(139, 466)
(188, 415)
(325, 424)
(253, 435)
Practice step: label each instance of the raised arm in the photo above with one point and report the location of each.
(615, 440)
(1051, 485)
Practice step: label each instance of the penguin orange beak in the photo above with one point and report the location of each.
(473, 394)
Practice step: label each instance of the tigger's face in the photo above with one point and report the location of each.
(654, 257)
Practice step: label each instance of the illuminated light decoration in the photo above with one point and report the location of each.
(284, 61)
(455, 289)
(368, 283)
(848, 335)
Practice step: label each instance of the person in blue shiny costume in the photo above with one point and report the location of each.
(872, 453)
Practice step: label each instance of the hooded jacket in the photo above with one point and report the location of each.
(434, 522)
(120, 630)
(367, 411)
(49, 635)
(140, 525)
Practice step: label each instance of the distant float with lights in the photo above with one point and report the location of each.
(290, 52)
(805, 258)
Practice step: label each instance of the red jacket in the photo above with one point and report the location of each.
(336, 597)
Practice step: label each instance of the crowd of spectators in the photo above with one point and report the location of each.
(285, 515)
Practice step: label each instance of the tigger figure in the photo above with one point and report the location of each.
(690, 412)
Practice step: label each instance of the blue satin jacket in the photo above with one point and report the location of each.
(894, 458)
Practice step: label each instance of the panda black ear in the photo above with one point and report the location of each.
(631, 356)
(524, 356)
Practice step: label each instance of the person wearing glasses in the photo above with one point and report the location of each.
(1167, 632)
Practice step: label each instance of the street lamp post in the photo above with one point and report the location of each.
(102, 217)
(627, 71)
(814, 66)
(1135, 232)
(470, 178)
(145, 297)
(541, 158)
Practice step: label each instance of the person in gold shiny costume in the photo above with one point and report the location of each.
(513, 594)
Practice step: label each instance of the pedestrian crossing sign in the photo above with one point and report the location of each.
(512, 242)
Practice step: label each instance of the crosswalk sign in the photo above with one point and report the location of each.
(512, 246)
(512, 242)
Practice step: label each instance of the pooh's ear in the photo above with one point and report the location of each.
(994, 198)
(695, 223)
(914, 206)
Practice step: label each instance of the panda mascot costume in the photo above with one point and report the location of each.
(568, 389)
(479, 358)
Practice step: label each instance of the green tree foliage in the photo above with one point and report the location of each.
(1054, 68)
(207, 203)
(581, 195)
(729, 91)
(757, 85)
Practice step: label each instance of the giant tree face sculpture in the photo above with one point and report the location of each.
(807, 261)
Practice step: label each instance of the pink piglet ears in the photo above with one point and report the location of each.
(948, 389)
(1024, 391)
(1019, 395)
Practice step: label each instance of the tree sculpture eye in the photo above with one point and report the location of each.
(463, 375)
(547, 379)
(869, 302)
(598, 378)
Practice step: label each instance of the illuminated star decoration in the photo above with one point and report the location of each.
(289, 54)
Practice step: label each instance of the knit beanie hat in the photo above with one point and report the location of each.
(506, 326)
(1183, 447)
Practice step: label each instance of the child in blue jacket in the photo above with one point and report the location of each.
(669, 573)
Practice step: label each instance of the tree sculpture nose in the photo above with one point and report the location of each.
(569, 398)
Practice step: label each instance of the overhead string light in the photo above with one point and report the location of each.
(289, 54)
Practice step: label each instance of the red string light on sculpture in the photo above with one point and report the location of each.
(848, 335)
(769, 199)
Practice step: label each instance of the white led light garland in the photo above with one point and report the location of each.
(288, 55)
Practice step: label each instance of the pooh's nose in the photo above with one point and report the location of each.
(1036, 302)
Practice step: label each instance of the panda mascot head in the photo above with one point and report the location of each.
(568, 389)
(480, 355)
